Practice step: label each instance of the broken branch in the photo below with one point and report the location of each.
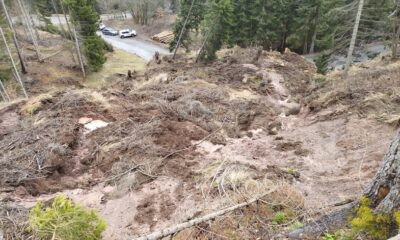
(177, 228)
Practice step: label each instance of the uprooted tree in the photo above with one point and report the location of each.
(381, 199)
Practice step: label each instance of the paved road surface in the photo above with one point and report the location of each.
(142, 48)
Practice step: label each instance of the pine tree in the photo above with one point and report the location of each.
(193, 22)
(217, 27)
(44, 10)
(83, 15)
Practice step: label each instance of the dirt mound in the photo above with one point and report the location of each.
(372, 92)
(41, 145)
(244, 69)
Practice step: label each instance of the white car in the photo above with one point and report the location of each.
(126, 33)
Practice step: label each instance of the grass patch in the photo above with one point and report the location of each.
(35, 104)
(117, 62)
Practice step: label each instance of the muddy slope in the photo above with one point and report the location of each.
(179, 141)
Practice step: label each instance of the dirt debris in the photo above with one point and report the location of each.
(207, 137)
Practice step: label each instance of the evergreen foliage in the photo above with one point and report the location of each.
(305, 26)
(65, 220)
(217, 27)
(84, 15)
(193, 23)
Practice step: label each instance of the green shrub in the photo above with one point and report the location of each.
(65, 221)
(94, 52)
(320, 79)
(294, 226)
(108, 47)
(376, 225)
(321, 62)
(279, 218)
(396, 217)
(328, 236)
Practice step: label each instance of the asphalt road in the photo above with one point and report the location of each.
(142, 48)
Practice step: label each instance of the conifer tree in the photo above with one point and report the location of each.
(83, 15)
(218, 24)
(193, 22)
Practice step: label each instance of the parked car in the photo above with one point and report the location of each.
(109, 32)
(102, 26)
(126, 33)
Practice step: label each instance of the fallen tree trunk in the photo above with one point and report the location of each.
(177, 228)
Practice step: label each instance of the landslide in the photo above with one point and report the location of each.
(153, 124)
(183, 139)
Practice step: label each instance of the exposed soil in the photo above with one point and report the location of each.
(181, 141)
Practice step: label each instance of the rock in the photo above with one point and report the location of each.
(96, 124)
(294, 109)
(245, 79)
(274, 127)
(162, 78)
(290, 108)
(84, 120)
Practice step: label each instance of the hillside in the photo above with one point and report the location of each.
(180, 140)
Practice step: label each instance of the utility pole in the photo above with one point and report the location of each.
(10, 24)
(13, 63)
(354, 38)
(30, 31)
(79, 52)
(178, 44)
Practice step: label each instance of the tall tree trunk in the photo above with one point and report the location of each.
(396, 30)
(395, 39)
(183, 29)
(13, 63)
(384, 190)
(33, 24)
(30, 29)
(315, 27)
(354, 37)
(17, 46)
(80, 57)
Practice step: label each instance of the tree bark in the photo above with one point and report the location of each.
(13, 63)
(7, 97)
(384, 190)
(25, 16)
(315, 30)
(19, 50)
(396, 30)
(354, 37)
(79, 52)
(178, 44)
